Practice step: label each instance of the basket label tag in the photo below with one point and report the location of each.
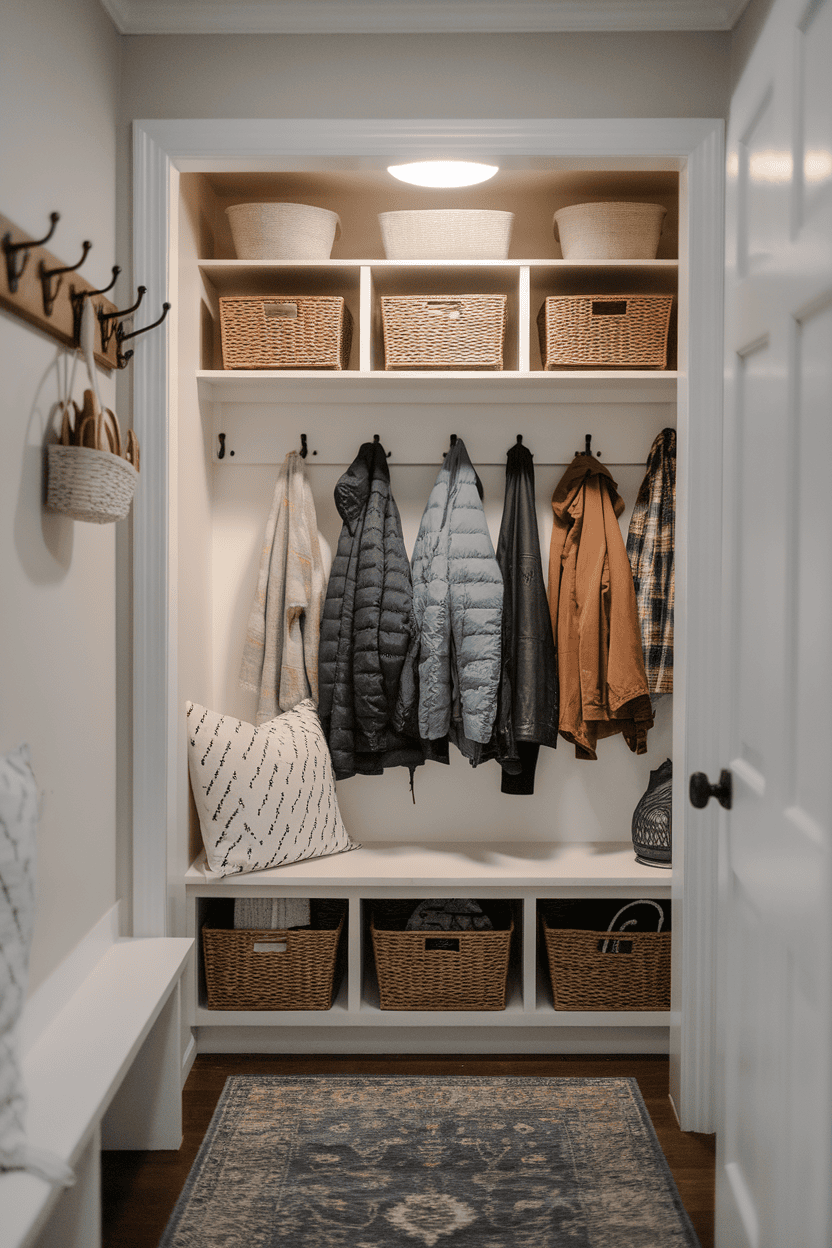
(609, 307)
(270, 946)
(288, 311)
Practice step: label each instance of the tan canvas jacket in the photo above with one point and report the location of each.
(603, 686)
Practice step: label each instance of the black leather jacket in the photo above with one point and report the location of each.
(527, 715)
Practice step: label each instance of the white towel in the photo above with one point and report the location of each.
(261, 914)
(280, 657)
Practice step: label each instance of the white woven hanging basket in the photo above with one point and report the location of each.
(87, 484)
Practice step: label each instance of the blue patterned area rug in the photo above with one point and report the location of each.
(379, 1162)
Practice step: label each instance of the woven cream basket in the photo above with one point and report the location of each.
(615, 231)
(91, 485)
(282, 231)
(446, 234)
(88, 476)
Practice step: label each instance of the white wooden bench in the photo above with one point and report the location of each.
(100, 1048)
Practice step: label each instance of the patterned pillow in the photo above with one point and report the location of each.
(18, 820)
(265, 796)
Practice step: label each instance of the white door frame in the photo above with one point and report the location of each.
(163, 149)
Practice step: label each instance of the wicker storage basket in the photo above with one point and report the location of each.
(285, 331)
(282, 231)
(446, 234)
(609, 231)
(604, 331)
(443, 331)
(414, 974)
(296, 973)
(600, 970)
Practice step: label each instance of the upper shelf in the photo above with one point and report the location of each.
(230, 277)
(353, 386)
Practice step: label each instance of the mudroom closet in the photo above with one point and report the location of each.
(229, 432)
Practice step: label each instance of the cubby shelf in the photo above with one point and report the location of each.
(524, 873)
(363, 283)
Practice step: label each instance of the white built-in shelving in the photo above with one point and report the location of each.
(261, 414)
(523, 874)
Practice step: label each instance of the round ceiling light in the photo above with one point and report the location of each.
(443, 172)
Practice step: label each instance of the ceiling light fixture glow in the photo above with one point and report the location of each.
(443, 172)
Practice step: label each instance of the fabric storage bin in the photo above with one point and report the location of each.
(282, 231)
(442, 970)
(443, 331)
(594, 968)
(285, 331)
(446, 234)
(604, 331)
(609, 231)
(271, 969)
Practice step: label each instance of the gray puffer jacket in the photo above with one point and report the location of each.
(454, 658)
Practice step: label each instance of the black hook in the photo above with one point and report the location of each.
(304, 449)
(588, 447)
(50, 294)
(376, 438)
(221, 451)
(519, 439)
(453, 444)
(14, 274)
(122, 360)
(77, 298)
(103, 317)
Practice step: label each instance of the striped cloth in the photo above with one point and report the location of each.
(650, 550)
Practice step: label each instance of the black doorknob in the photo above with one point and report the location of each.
(701, 790)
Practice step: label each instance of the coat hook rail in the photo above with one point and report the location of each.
(32, 287)
(50, 292)
(123, 359)
(14, 271)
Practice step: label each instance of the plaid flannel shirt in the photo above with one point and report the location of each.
(650, 550)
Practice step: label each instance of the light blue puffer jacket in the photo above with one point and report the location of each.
(457, 610)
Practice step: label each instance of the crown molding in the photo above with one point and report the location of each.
(358, 17)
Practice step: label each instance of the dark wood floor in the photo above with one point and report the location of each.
(141, 1189)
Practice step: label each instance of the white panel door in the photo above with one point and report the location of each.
(774, 1159)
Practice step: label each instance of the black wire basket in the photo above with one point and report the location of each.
(652, 819)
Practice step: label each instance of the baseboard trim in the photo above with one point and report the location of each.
(427, 1040)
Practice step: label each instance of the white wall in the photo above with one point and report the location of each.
(58, 96)
(549, 75)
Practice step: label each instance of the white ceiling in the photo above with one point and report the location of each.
(229, 17)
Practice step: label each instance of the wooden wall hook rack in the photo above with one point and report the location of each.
(28, 288)
(32, 287)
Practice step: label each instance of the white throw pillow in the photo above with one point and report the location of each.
(18, 820)
(265, 796)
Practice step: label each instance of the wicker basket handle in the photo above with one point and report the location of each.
(444, 307)
(642, 901)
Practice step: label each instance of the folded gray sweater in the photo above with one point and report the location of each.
(271, 913)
